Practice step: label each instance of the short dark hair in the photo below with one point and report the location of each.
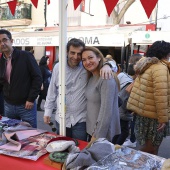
(134, 58)
(131, 70)
(75, 43)
(3, 31)
(159, 49)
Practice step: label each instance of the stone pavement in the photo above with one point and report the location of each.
(164, 150)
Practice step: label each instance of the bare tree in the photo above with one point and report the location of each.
(117, 15)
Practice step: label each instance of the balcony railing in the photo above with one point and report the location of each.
(23, 11)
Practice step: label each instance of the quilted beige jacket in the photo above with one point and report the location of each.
(150, 94)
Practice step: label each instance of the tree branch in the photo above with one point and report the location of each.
(124, 9)
(117, 17)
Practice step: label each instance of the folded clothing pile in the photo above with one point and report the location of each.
(60, 147)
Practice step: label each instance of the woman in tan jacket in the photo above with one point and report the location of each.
(149, 97)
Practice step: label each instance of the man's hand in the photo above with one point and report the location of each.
(29, 105)
(161, 127)
(106, 72)
(47, 119)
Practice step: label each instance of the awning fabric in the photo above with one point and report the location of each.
(148, 5)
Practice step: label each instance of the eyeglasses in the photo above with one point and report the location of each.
(4, 40)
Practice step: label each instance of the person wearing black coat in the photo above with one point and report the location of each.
(21, 79)
(46, 75)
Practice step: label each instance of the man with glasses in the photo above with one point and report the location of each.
(21, 79)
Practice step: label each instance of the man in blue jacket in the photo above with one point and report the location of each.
(21, 80)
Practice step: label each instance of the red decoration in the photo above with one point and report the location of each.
(48, 2)
(148, 6)
(12, 6)
(110, 4)
(76, 3)
(35, 3)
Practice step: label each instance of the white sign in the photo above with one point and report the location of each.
(110, 40)
(115, 40)
(149, 37)
(36, 41)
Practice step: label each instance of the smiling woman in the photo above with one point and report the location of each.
(102, 119)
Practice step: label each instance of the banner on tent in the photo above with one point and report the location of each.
(116, 40)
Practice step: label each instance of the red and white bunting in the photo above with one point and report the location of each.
(76, 3)
(148, 6)
(35, 3)
(12, 6)
(110, 4)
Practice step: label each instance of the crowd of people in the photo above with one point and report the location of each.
(101, 100)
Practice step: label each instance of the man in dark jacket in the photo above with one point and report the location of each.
(21, 80)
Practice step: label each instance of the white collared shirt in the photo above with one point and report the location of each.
(76, 81)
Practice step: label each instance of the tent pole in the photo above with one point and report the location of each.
(62, 63)
(122, 58)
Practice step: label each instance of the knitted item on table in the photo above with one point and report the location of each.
(58, 156)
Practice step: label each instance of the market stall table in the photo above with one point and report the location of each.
(8, 162)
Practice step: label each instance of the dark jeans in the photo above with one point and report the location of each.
(20, 113)
(78, 131)
(1, 104)
(120, 139)
(132, 127)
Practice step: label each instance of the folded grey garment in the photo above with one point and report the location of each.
(88, 156)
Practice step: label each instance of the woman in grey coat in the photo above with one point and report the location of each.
(102, 119)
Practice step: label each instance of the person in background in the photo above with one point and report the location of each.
(102, 119)
(149, 98)
(32, 51)
(46, 76)
(76, 81)
(115, 67)
(131, 142)
(126, 116)
(21, 79)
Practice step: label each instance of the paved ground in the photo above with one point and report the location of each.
(164, 150)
